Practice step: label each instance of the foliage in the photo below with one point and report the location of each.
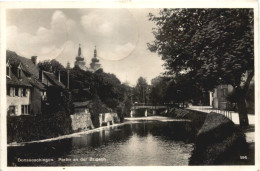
(85, 84)
(175, 90)
(141, 91)
(29, 128)
(212, 46)
(95, 108)
(212, 43)
(109, 89)
(51, 66)
(158, 91)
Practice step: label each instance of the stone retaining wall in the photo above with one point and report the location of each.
(81, 121)
(108, 118)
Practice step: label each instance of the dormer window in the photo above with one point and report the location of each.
(8, 69)
(19, 72)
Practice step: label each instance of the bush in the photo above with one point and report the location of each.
(95, 108)
(176, 113)
(29, 128)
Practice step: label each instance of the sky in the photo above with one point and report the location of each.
(120, 36)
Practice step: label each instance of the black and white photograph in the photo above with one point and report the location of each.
(127, 86)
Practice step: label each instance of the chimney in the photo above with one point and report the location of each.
(34, 59)
(59, 75)
(40, 75)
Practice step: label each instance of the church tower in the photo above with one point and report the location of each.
(95, 65)
(80, 60)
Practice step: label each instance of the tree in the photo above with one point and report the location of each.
(178, 89)
(51, 66)
(159, 93)
(140, 91)
(213, 46)
(109, 89)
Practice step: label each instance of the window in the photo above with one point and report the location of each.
(19, 73)
(23, 112)
(44, 96)
(11, 91)
(12, 110)
(24, 92)
(8, 91)
(224, 91)
(8, 71)
(25, 109)
(16, 91)
(28, 109)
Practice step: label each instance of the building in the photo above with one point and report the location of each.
(49, 79)
(24, 90)
(218, 98)
(80, 62)
(27, 86)
(95, 65)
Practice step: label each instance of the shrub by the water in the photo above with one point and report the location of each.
(95, 108)
(29, 128)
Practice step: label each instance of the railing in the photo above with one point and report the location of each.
(148, 107)
(209, 109)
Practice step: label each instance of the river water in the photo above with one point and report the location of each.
(141, 143)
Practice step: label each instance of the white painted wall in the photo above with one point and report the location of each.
(18, 101)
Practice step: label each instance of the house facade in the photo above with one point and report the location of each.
(18, 91)
(218, 98)
(26, 92)
(23, 87)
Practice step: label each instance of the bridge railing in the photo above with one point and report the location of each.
(208, 109)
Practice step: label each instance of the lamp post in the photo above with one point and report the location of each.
(68, 73)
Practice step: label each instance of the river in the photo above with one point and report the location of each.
(135, 143)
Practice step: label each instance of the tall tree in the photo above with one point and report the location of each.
(215, 46)
(159, 93)
(141, 91)
(50, 66)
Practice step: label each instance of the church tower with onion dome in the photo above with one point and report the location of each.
(95, 65)
(80, 61)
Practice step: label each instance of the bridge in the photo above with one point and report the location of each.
(137, 109)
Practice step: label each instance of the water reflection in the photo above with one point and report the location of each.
(145, 143)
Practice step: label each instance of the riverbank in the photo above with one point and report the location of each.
(65, 136)
(249, 132)
(127, 120)
(136, 143)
